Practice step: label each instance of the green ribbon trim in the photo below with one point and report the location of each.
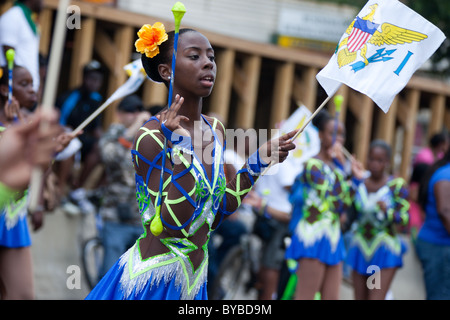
(28, 15)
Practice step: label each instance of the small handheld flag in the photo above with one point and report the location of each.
(380, 50)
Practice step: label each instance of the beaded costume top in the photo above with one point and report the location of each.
(14, 209)
(320, 195)
(375, 227)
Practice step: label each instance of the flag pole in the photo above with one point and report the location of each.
(49, 96)
(303, 127)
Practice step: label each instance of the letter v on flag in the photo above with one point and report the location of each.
(380, 51)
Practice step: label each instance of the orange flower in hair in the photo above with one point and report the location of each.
(150, 37)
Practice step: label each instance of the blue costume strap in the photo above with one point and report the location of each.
(255, 164)
(183, 142)
(68, 106)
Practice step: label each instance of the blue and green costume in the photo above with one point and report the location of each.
(374, 239)
(320, 195)
(196, 197)
(14, 231)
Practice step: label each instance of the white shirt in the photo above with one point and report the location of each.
(273, 186)
(16, 32)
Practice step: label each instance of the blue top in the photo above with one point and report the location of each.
(433, 230)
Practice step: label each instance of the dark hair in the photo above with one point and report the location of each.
(438, 139)
(163, 57)
(321, 119)
(154, 109)
(5, 77)
(378, 143)
(92, 66)
(131, 103)
(423, 187)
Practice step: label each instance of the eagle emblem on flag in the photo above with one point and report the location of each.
(364, 31)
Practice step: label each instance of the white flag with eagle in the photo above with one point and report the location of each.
(380, 51)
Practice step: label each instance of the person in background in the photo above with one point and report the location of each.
(381, 204)
(323, 196)
(433, 240)
(119, 210)
(19, 30)
(77, 105)
(416, 213)
(32, 147)
(24, 146)
(438, 145)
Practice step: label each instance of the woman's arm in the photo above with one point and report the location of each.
(442, 195)
(275, 150)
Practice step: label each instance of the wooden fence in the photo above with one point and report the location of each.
(257, 85)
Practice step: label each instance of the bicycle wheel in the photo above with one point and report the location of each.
(92, 258)
(230, 275)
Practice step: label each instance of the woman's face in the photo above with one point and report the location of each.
(23, 88)
(195, 71)
(329, 133)
(377, 161)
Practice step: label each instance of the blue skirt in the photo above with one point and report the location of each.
(322, 249)
(110, 288)
(16, 235)
(382, 257)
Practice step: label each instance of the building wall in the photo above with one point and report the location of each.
(255, 20)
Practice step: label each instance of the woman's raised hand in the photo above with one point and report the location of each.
(172, 120)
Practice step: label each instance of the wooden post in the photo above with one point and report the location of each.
(123, 41)
(154, 94)
(412, 105)
(343, 90)
(220, 97)
(281, 102)
(46, 18)
(386, 123)
(364, 128)
(437, 107)
(305, 88)
(83, 48)
(248, 92)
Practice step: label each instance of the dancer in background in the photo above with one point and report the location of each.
(382, 205)
(323, 196)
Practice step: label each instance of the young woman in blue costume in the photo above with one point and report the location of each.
(16, 274)
(320, 196)
(15, 241)
(196, 195)
(381, 203)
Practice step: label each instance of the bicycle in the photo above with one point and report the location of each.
(238, 271)
(92, 250)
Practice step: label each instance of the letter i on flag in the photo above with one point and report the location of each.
(380, 50)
